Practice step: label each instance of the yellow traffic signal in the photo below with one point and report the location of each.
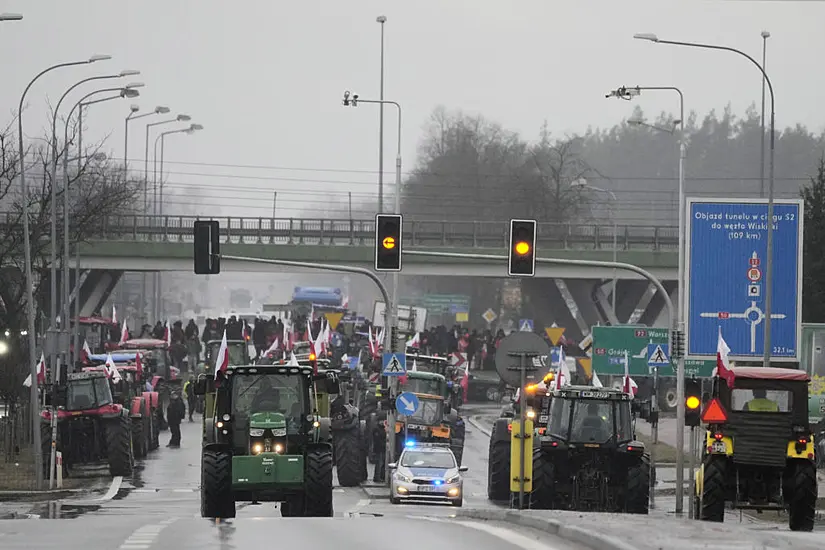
(522, 248)
(389, 242)
(693, 402)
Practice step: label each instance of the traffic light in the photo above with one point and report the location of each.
(388, 242)
(522, 258)
(207, 247)
(693, 402)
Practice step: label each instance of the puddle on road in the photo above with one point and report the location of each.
(59, 510)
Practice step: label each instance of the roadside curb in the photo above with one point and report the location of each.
(376, 491)
(597, 541)
(46, 494)
(474, 422)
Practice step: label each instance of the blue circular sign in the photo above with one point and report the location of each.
(406, 403)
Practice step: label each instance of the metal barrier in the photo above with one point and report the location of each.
(417, 233)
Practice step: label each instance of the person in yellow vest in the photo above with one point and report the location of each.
(761, 403)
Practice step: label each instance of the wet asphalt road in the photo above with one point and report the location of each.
(159, 509)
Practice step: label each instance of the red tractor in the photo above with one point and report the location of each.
(164, 377)
(91, 427)
(100, 333)
(130, 391)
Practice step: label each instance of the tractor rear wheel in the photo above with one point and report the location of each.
(713, 491)
(637, 495)
(217, 500)
(318, 484)
(119, 446)
(347, 457)
(803, 494)
(139, 438)
(498, 469)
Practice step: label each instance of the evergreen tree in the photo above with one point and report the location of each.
(813, 281)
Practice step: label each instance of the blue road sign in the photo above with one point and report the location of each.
(726, 253)
(525, 325)
(395, 364)
(657, 355)
(406, 403)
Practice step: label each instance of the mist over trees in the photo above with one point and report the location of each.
(470, 168)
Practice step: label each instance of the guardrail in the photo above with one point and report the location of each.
(419, 233)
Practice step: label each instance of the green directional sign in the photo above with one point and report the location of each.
(611, 343)
(443, 303)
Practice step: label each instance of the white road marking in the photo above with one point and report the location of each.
(143, 537)
(184, 490)
(509, 536)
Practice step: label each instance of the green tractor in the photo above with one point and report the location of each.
(266, 442)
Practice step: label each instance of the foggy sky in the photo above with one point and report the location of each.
(265, 77)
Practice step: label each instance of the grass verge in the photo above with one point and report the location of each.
(665, 454)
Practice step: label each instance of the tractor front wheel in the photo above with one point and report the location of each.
(347, 457)
(318, 484)
(119, 446)
(498, 469)
(217, 500)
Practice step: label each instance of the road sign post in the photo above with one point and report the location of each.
(726, 259)
(526, 346)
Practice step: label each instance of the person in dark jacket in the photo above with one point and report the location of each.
(175, 413)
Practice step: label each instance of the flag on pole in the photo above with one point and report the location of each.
(629, 385)
(723, 369)
(41, 372)
(222, 359)
(114, 314)
(124, 334)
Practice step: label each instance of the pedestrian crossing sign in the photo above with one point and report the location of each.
(395, 364)
(657, 355)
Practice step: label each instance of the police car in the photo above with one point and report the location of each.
(427, 472)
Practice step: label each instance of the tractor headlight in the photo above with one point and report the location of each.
(531, 414)
(256, 432)
(226, 418)
(278, 432)
(278, 448)
(257, 449)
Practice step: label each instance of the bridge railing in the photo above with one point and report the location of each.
(419, 233)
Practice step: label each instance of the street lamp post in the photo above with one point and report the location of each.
(53, 264)
(629, 93)
(159, 187)
(582, 183)
(766, 356)
(24, 193)
(765, 36)
(159, 110)
(180, 118)
(381, 20)
(352, 100)
(65, 262)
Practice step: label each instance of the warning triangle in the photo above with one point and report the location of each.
(554, 333)
(587, 366)
(714, 413)
(333, 318)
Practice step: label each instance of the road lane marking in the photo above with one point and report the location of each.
(506, 535)
(143, 537)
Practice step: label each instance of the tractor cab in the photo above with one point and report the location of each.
(87, 391)
(238, 353)
(759, 450)
(100, 333)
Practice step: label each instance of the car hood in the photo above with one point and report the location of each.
(439, 473)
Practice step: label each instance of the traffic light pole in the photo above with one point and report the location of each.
(671, 311)
(692, 511)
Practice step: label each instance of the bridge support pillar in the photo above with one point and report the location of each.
(95, 289)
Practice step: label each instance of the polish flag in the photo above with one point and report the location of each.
(41, 373)
(373, 347)
(562, 372)
(124, 334)
(293, 361)
(222, 359)
(138, 367)
(414, 342)
(111, 369)
(167, 333)
(723, 369)
(345, 302)
(114, 314)
(273, 347)
(85, 352)
(595, 381)
(465, 381)
(629, 385)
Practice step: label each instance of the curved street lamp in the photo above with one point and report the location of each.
(35, 416)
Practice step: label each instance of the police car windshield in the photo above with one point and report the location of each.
(427, 459)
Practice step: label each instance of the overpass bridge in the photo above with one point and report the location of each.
(120, 244)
